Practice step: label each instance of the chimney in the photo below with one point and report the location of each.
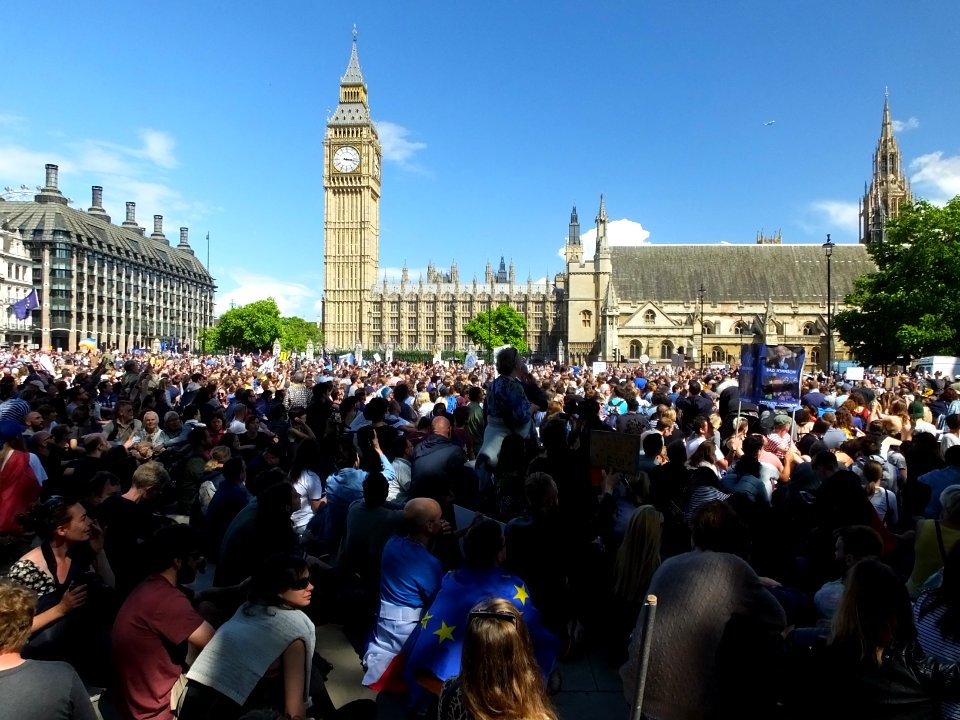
(131, 221)
(52, 174)
(157, 233)
(96, 204)
(49, 193)
(184, 241)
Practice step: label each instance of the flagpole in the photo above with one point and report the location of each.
(208, 251)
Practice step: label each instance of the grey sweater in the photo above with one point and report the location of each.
(243, 649)
(697, 594)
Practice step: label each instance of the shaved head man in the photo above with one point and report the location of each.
(409, 579)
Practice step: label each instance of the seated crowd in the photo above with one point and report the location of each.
(457, 524)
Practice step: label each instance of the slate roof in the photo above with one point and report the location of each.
(91, 231)
(782, 273)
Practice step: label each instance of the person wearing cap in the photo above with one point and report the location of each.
(917, 413)
(19, 486)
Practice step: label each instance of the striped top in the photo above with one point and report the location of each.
(935, 644)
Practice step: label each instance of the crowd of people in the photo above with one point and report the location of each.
(461, 525)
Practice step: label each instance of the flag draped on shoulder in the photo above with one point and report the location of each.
(434, 649)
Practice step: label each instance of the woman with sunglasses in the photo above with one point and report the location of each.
(260, 658)
(489, 687)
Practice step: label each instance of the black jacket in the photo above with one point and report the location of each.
(908, 685)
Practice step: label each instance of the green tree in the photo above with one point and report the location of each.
(501, 326)
(295, 332)
(908, 307)
(247, 328)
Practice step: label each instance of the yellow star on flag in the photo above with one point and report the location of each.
(522, 594)
(445, 632)
(425, 619)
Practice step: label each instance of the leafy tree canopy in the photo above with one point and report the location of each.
(255, 326)
(295, 332)
(501, 326)
(909, 307)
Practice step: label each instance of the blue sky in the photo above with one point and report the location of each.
(495, 117)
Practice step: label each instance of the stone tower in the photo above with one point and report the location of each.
(602, 264)
(888, 189)
(351, 225)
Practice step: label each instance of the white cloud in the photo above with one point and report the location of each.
(619, 233)
(911, 123)
(127, 173)
(158, 147)
(396, 144)
(843, 216)
(292, 298)
(939, 175)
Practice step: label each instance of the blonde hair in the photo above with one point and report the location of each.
(218, 456)
(499, 675)
(17, 607)
(639, 554)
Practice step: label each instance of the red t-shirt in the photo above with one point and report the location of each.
(149, 647)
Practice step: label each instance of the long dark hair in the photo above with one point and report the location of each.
(275, 575)
(307, 457)
(946, 596)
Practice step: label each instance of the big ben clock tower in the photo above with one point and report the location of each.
(351, 224)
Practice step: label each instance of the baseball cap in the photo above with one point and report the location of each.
(915, 410)
(10, 429)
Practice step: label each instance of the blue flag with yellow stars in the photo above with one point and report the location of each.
(436, 644)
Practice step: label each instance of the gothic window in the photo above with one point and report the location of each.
(718, 354)
(394, 307)
(810, 329)
(741, 328)
(635, 349)
(430, 322)
(666, 350)
(412, 323)
(586, 317)
(815, 356)
(709, 328)
(650, 317)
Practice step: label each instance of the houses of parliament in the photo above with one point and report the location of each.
(638, 303)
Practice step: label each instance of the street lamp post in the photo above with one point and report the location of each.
(702, 291)
(828, 252)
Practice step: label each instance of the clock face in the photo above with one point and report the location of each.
(346, 159)
(376, 166)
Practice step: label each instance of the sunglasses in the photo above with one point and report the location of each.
(300, 584)
(493, 615)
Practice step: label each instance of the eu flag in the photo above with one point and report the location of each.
(435, 647)
(22, 308)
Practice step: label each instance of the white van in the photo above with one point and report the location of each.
(948, 366)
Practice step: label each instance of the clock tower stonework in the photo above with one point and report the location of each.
(351, 222)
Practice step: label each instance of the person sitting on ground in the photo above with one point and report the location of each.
(34, 690)
(431, 663)
(409, 579)
(262, 657)
(212, 476)
(854, 543)
(370, 524)
(935, 539)
(69, 572)
(699, 593)
(487, 687)
(155, 626)
(231, 497)
(129, 520)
